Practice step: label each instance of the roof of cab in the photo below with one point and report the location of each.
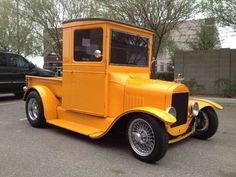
(105, 20)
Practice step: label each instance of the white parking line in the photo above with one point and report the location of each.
(3, 104)
(23, 119)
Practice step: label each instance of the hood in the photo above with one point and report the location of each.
(42, 72)
(142, 91)
(142, 81)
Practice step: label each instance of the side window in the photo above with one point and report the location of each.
(2, 60)
(17, 61)
(86, 42)
(129, 49)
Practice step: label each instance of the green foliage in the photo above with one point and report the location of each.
(206, 38)
(159, 16)
(28, 25)
(193, 85)
(170, 66)
(15, 31)
(35, 18)
(172, 48)
(49, 16)
(223, 10)
(166, 76)
(228, 86)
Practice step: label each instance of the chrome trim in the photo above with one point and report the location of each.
(169, 109)
(33, 109)
(195, 112)
(141, 137)
(25, 88)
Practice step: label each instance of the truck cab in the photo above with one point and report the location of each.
(106, 83)
(124, 51)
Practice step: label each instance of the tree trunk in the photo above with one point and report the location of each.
(156, 49)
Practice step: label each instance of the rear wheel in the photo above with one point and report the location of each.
(206, 123)
(147, 139)
(34, 110)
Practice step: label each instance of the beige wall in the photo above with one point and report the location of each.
(206, 67)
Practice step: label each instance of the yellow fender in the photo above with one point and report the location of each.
(155, 112)
(50, 102)
(158, 113)
(205, 103)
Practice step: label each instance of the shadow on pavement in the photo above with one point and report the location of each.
(8, 97)
(111, 140)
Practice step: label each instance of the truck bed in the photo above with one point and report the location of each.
(53, 83)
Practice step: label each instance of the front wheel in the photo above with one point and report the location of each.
(34, 110)
(206, 123)
(147, 138)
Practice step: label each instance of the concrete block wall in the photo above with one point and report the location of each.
(206, 67)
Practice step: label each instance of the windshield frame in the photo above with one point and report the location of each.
(133, 34)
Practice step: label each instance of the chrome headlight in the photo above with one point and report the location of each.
(195, 109)
(25, 88)
(172, 111)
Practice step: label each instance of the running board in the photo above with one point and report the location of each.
(75, 127)
(181, 137)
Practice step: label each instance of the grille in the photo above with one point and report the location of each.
(180, 103)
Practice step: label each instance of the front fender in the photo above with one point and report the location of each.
(155, 112)
(49, 100)
(205, 103)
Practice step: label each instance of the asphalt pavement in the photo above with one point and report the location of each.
(54, 152)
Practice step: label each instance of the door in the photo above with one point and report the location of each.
(85, 76)
(18, 67)
(4, 74)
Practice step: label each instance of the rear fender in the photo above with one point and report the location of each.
(205, 103)
(50, 102)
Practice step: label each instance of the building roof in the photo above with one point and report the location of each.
(105, 20)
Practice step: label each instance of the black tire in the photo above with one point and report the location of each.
(158, 150)
(34, 110)
(207, 123)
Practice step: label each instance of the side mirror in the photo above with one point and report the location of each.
(97, 53)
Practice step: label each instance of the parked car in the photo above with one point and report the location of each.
(13, 69)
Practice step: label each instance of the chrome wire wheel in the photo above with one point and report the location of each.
(202, 122)
(141, 137)
(33, 109)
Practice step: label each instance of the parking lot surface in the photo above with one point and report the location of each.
(54, 152)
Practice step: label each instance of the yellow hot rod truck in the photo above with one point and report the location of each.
(106, 83)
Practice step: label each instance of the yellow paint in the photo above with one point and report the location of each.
(92, 96)
(204, 103)
(49, 100)
(181, 137)
(155, 112)
(178, 130)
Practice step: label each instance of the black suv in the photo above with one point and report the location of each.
(13, 68)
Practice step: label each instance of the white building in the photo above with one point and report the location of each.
(183, 34)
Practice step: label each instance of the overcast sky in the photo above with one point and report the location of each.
(228, 37)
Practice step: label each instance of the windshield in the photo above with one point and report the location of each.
(129, 49)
